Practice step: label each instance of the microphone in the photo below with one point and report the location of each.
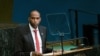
(53, 49)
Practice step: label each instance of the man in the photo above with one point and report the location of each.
(30, 40)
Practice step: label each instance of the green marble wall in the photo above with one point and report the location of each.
(6, 42)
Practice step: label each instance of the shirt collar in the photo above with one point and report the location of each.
(31, 28)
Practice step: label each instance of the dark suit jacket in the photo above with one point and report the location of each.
(24, 42)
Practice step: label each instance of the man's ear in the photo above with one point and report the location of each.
(40, 19)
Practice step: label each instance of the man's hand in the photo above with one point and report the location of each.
(36, 54)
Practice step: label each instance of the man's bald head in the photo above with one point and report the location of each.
(33, 12)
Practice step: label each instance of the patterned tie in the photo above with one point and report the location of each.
(37, 42)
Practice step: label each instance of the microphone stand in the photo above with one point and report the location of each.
(61, 37)
(52, 49)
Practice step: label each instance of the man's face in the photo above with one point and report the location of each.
(34, 18)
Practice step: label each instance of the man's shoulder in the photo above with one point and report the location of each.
(21, 27)
(43, 27)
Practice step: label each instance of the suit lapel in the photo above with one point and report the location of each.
(41, 33)
(29, 35)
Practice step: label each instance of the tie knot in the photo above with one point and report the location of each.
(35, 30)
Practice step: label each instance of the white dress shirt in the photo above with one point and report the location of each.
(33, 36)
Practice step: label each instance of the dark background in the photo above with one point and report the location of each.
(16, 11)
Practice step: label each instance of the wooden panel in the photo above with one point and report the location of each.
(6, 11)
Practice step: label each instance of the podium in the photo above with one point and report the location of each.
(75, 52)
